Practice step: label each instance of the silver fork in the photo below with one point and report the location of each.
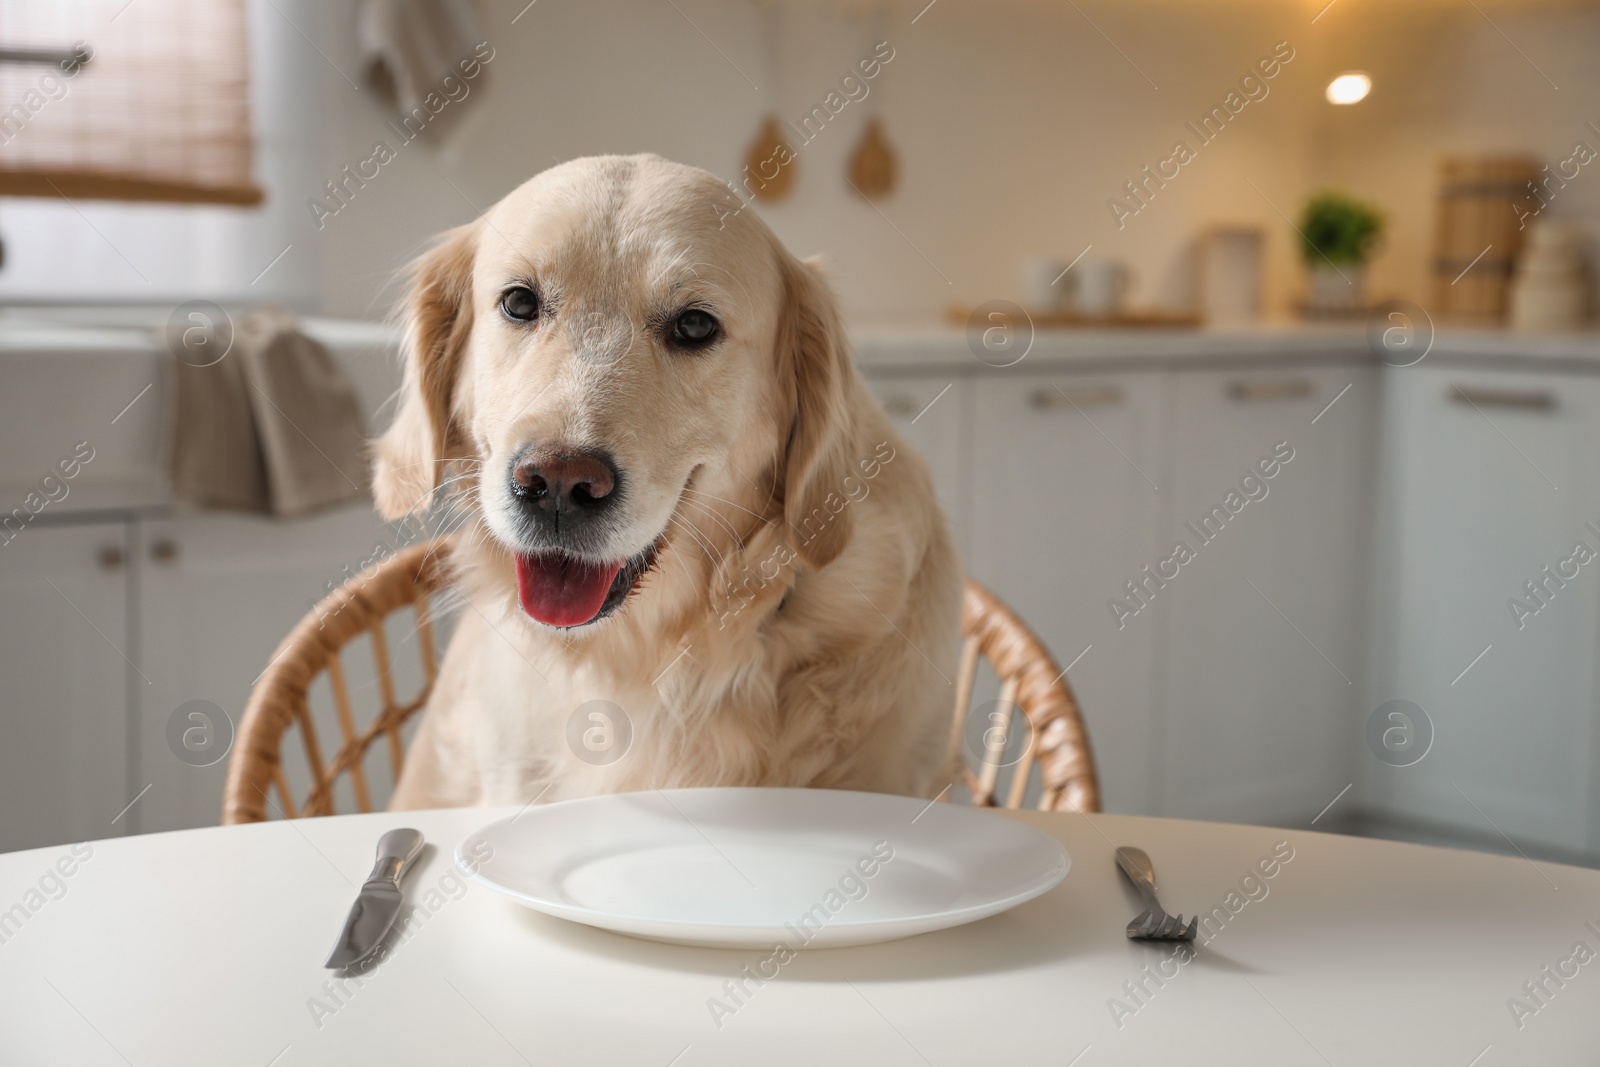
(1153, 924)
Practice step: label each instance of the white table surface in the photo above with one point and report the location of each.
(205, 947)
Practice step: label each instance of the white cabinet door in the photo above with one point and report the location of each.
(64, 705)
(934, 414)
(220, 591)
(1064, 505)
(1484, 497)
(1263, 663)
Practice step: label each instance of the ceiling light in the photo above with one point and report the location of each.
(1351, 88)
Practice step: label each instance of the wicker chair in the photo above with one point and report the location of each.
(1029, 682)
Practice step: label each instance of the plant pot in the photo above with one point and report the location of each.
(1336, 291)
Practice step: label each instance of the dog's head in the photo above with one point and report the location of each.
(611, 359)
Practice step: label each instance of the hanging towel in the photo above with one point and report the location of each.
(273, 427)
(409, 46)
(211, 438)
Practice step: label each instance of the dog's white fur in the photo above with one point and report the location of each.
(799, 625)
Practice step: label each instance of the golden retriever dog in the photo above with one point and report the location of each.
(690, 534)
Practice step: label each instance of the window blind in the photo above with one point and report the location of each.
(160, 111)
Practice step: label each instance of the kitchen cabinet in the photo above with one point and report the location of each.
(1065, 501)
(1490, 483)
(1263, 657)
(934, 413)
(197, 603)
(219, 592)
(65, 654)
(1199, 698)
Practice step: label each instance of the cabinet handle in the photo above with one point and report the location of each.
(900, 405)
(1282, 389)
(111, 558)
(1527, 400)
(164, 551)
(1090, 397)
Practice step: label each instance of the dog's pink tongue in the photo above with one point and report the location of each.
(561, 591)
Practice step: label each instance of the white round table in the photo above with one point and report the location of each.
(205, 947)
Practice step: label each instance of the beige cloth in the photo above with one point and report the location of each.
(274, 426)
(408, 46)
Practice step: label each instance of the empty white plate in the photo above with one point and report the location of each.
(749, 868)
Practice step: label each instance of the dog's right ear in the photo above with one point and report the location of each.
(437, 318)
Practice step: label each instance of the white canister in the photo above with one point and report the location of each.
(1101, 287)
(1230, 274)
(1045, 285)
(1551, 290)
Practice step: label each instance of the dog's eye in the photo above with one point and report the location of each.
(520, 303)
(695, 328)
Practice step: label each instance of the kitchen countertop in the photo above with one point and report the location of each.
(101, 379)
(893, 351)
(22, 332)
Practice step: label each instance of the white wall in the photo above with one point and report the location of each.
(1015, 124)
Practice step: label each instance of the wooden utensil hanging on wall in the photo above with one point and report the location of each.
(873, 167)
(874, 170)
(769, 163)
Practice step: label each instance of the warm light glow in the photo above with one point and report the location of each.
(1351, 88)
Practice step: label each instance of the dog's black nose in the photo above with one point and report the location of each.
(563, 482)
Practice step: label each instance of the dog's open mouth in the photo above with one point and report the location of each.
(558, 589)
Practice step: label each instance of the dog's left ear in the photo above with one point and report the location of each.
(814, 361)
(437, 317)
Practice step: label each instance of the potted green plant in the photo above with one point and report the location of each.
(1338, 235)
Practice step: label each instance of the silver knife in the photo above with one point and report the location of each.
(378, 903)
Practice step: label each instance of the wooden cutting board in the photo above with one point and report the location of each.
(958, 315)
